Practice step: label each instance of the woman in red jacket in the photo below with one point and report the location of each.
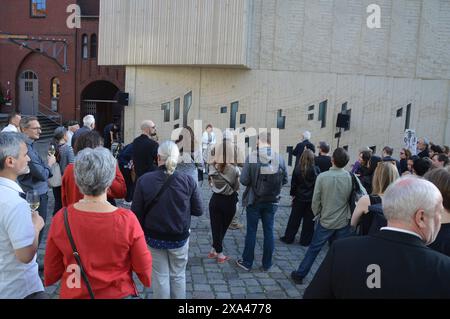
(109, 240)
(70, 193)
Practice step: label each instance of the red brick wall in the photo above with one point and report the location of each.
(15, 19)
(88, 71)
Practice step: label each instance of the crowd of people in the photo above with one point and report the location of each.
(388, 212)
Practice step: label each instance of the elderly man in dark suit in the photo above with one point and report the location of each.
(145, 150)
(395, 262)
(305, 143)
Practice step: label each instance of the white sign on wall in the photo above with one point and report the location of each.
(410, 140)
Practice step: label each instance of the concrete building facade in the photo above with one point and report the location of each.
(291, 64)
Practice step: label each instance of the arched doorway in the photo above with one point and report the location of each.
(99, 99)
(28, 93)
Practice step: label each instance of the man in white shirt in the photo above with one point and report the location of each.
(13, 123)
(72, 127)
(208, 142)
(19, 226)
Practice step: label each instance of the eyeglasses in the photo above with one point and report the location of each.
(402, 153)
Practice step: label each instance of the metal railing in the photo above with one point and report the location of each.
(50, 114)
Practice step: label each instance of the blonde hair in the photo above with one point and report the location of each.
(169, 153)
(385, 174)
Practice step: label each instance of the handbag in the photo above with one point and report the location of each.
(56, 179)
(76, 254)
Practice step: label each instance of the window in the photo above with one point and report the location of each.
(243, 119)
(311, 117)
(289, 150)
(346, 111)
(28, 86)
(166, 108)
(176, 109)
(408, 116)
(55, 88)
(38, 8)
(223, 109)
(400, 112)
(234, 110)
(311, 108)
(84, 46)
(187, 103)
(323, 113)
(28, 75)
(93, 46)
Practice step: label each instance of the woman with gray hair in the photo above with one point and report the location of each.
(109, 240)
(64, 156)
(164, 201)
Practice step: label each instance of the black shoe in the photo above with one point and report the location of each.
(304, 244)
(240, 263)
(284, 240)
(296, 278)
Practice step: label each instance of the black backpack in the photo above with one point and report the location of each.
(269, 180)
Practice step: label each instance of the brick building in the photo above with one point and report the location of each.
(52, 69)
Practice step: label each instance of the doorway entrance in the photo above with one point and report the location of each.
(28, 93)
(99, 99)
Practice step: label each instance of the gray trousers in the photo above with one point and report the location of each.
(169, 272)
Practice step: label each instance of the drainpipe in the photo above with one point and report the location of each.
(447, 126)
(76, 72)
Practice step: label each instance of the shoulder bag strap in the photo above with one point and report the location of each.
(352, 177)
(150, 205)
(76, 254)
(226, 180)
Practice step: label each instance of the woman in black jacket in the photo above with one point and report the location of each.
(302, 190)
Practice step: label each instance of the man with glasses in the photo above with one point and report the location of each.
(36, 179)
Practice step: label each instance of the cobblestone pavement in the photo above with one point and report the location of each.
(206, 279)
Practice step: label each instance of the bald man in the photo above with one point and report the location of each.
(145, 150)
